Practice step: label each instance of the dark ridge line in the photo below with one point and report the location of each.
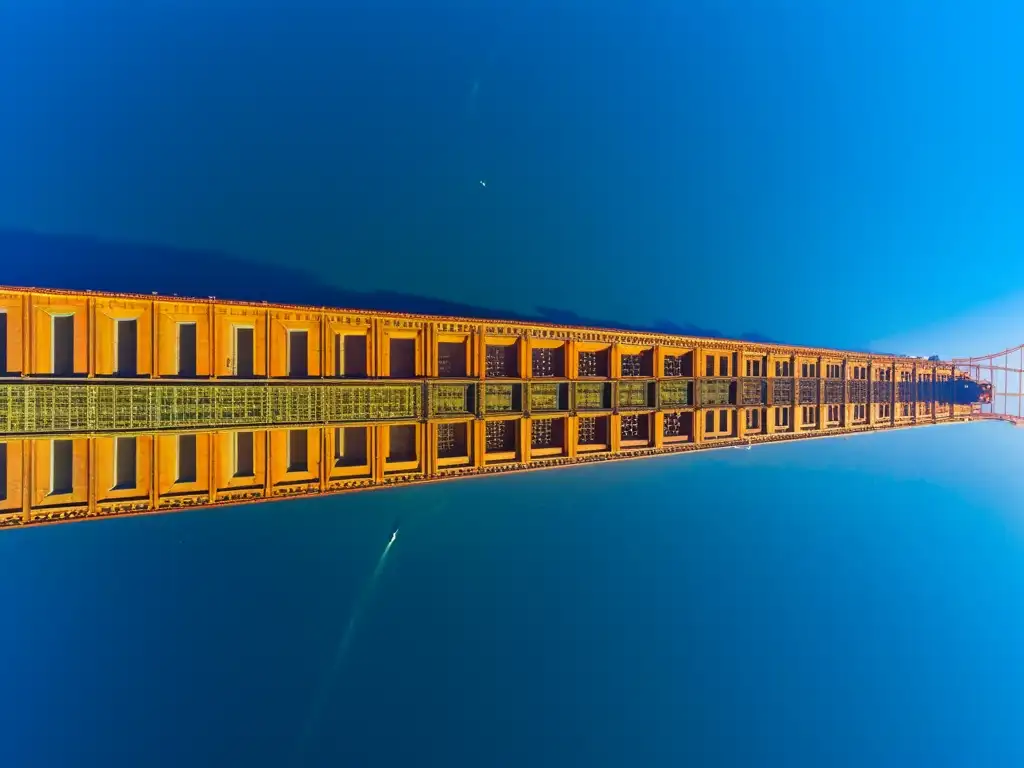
(84, 263)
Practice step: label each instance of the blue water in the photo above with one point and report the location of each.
(841, 602)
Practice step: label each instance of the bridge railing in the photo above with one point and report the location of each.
(1005, 372)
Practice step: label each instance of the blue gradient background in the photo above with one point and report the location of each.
(742, 166)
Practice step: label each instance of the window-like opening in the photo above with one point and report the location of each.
(635, 427)
(3, 471)
(403, 358)
(594, 364)
(709, 365)
(186, 459)
(548, 362)
(547, 433)
(350, 446)
(62, 466)
(451, 359)
(350, 355)
(245, 352)
(723, 365)
(723, 421)
(500, 436)
(245, 445)
(3, 343)
(402, 443)
(125, 455)
(187, 354)
(782, 416)
(639, 364)
(709, 421)
(355, 355)
(451, 441)
(298, 354)
(678, 365)
(502, 361)
(127, 347)
(753, 419)
(63, 345)
(593, 430)
(674, 425)
(298, 450)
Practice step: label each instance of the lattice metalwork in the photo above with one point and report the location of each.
(717, 392)
(499, 398)
(675, 394)
(857, 391)
(782, 391)
(42, 407)
(451, 399)
(132, 406)
(592, 396)
(675, 365)
(755, 391)
(674, 425)
(501, 361)
(590, 364)
(632, 365)
(542, 433)
(835, 390)
(633, 395)
(544, 397)
(881, 391)
(634, 427)
(369, 402)
(448, 443)
(33, 408)
(500, 436)
(808, 391)
(588, 430)
(290, 405)
(547, 362)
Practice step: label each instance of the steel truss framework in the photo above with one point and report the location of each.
(1005, 372)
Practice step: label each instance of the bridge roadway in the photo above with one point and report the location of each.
(117, 404)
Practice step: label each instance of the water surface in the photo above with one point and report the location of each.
(835, 602)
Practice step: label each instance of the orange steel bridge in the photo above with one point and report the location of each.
(1003, 372)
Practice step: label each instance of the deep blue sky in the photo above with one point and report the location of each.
(739, 165)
